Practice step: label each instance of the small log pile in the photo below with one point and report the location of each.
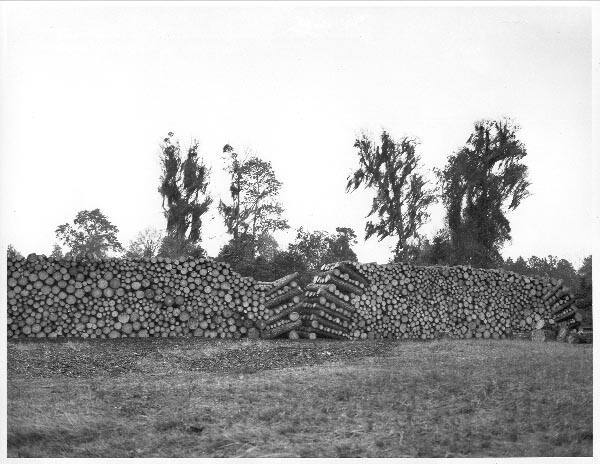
(582, 335)
(369, 301)
(567, 315)
(116, 298)
(282, 299)
(327, 310)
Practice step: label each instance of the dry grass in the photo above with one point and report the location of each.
(436, 399)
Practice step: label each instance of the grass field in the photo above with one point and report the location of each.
(191, 397)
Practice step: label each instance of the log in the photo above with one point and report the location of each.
(278, 284)
(290, 295)
(270, 333)
(340, 284)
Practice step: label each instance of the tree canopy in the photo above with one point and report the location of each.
(254, 212)
(146, 244)
(183, 186)
(479, 184)
(317, 248)
(91, 234)
(401, 195)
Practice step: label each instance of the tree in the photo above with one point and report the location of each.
(254, 210)
(480, 183)
(339, 246)
(232, 215)
(402, 198)
(237, 252)
(517, 266)
(585, 272)
(12, 253)
(584, 289)
(286, 262)
(146, 244)
(176, 248)
(91, 234)
(311, 246)
(183, 186)
(550, 267)
(57, 253)
(316, 248)
(266, 246)
(438, 251)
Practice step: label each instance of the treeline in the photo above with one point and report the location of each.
(480, 183)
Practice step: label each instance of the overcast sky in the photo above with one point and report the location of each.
(89, 91)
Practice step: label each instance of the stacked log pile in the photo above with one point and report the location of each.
(360, 301)
(282, 299)
(115, 298)
(328, 310)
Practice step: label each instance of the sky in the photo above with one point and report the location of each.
(89, 90)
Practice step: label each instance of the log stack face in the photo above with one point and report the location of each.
(281, 301)
(132, 298)
(116, 298)
(360, 301)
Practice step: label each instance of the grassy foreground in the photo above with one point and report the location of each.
(191, 397)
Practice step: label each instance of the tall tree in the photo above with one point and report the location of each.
(401, 195)
(91, 234)
(232, 214)
(183, 186)
(480, 183)
(146, 244)
(254, 210)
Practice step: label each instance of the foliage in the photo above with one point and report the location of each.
(584, 291)
(232, 215)
(287, 262)
(266, 246)
(176, 248)
(237, 252)
(12, 253)
(305, 255)
(311, 246)
(317, 248)
(56, 253)
(91, 234)
(585, 272)
(183, 186)
(479, 184)
(146, 244)
(339, 246)
(401, 199)
(254, 210)
(550, 266)
(437, 251)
